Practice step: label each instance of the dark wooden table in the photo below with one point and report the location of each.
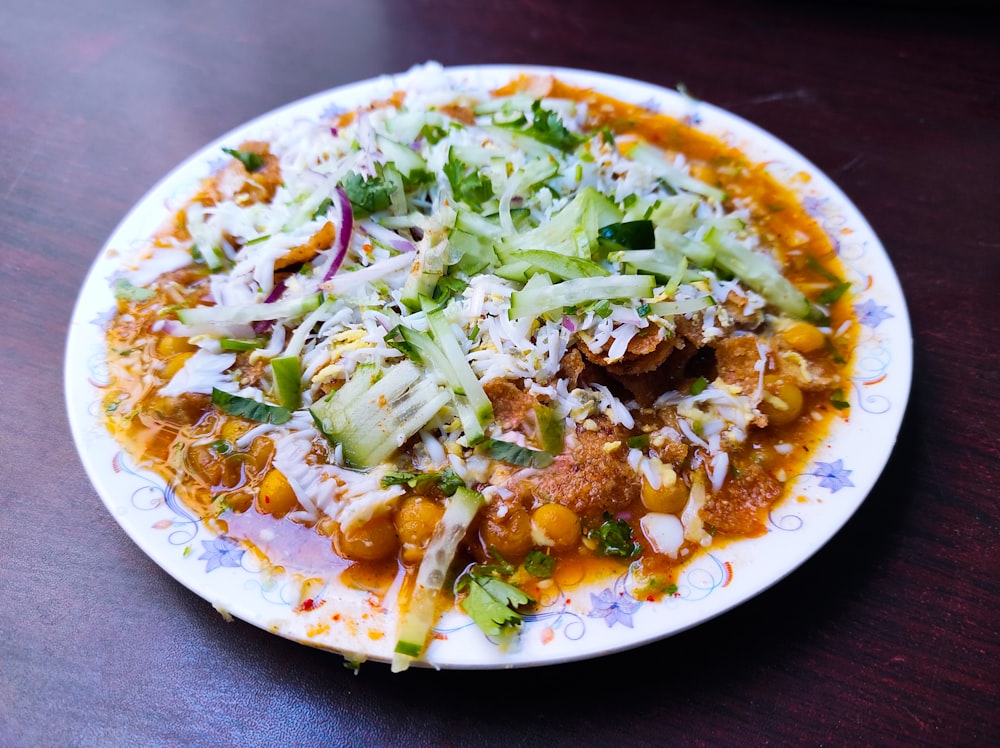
(890, 635)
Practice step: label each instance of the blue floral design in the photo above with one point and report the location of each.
(871, 314)
(833, 475)
(221, 551)
(614, 607)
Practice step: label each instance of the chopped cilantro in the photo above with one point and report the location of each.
(614, 538)
(838, 401)
(469, 186)
(639, 441)
(549, 129)
(236, 405)
(833, 293)
(433, 133)
(251, 161)
(322, 208)
(539, 564)
(490, 602)
(447, 480)
(514, 454)
(698, 386)
(125, 291)
(367, 194)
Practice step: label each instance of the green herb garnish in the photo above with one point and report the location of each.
(125, 291)
(251, 161)
(614, 538)
(367, 194)
(235, 405)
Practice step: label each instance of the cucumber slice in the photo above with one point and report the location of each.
(418, 620)
(375, 412)
(244, 314)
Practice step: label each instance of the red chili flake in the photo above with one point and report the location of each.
(308, 604)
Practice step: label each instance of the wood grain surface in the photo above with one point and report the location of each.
(887, 636)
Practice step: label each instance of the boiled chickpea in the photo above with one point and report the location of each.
(205, 464)
(507, 530)
(174, 364)
(669, 497)
(556, 526)
(803, 337)
(374, 540)
(782, 401)
(275, 495)
(171, 345)
(416, 519)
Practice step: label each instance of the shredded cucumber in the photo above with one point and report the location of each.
(246, 313)
(534, 300)
(375, 412)
(418, 619)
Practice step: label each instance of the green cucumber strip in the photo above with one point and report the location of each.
(553, 263)
(371, 416)
(670, 308)
(466, 378)
(418, 619)
(532, 301)
(588, 211)
(227, 315)
(241, 344)
(760, 273)
(550, 429)
(287, 374)
(428, 267)
(627, 235)
(676, 178)
(698, 252)
(660, 261)
(470, 253)
(405, 158)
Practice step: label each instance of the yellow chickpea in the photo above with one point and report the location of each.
(556, 526)
(416, 519)
(373, 541)
(669, 497)
(803, 337)
(171, 345)
(205, 464)
(275, 495)
(233, 429)
(782, 401)
(174, 364)
(507, 529)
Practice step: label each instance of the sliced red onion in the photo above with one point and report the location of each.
(343, 239)
(568, 323)
(262, 327)
(386, 236)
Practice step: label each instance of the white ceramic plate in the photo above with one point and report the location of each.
(569, 625)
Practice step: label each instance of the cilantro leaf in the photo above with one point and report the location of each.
(471, 187)
(492, 603)
(614, 538)
(251, 161)
(367, 194)
(447, 480)
(539, 564)
(514, 454)
(235, 405)
(549, 129)
(125, 291)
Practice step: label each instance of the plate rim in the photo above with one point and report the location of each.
(82, 429)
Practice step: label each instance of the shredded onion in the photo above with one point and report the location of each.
(343, 235)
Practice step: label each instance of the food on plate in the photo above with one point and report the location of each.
(481, 343)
